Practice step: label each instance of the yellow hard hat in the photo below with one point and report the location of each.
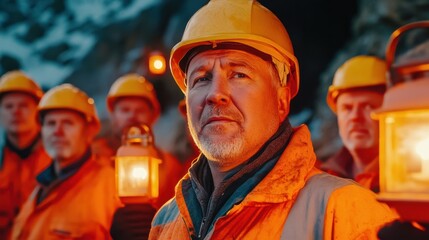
(67, 96)
(17, 81)
(133, 85)
(357, 72)
(245, 22)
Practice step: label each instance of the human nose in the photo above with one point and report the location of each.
(219, 91)
(133, 117)
(16, 110)
(58, 129)
(357, 113)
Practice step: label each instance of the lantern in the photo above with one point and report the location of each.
(136, 165)
(404, 133)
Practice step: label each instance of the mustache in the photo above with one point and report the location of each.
(57, 141)
(356, 127)
(216, 111)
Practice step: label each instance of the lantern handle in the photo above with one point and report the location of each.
(391, 48)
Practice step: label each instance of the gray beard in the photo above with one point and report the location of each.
(220, 152)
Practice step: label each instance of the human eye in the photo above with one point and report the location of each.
(49, 123)
(239, 75)
(68, 122)
(24, 105)
(8, 106)
(344, 108)
(197, 80)
(369, 107)
(123, 109)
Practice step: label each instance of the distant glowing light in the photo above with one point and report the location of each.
(157, 63)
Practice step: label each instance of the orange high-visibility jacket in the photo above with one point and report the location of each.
(17, 181)
(293, 201)
(170, 170)
(80, 207)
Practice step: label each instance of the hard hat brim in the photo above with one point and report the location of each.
(260, 43)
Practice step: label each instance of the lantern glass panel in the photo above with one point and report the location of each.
(404, 152)
(133, 176)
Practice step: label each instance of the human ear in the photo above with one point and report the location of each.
(283, 99)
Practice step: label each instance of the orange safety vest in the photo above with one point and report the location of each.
(293, 201)
(81, 207)
(17, 181)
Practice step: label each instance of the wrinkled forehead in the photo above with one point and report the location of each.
(127, 101)
(184, 62)
(58, 114)
(360, 95)
(226, 57)
(17, 96)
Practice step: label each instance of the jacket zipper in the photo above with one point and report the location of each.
(200, 232)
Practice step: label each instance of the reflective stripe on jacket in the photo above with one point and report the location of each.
(17, 181)
(80, 207)
(341, 209)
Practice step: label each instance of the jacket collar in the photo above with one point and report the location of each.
(23, 153)
(289, 175)
(214, 203)
(341, 164)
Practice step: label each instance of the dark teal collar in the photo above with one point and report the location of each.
(23, 153)
(48, 176)
(49, 179)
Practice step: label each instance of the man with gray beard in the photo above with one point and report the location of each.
(255, 178)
